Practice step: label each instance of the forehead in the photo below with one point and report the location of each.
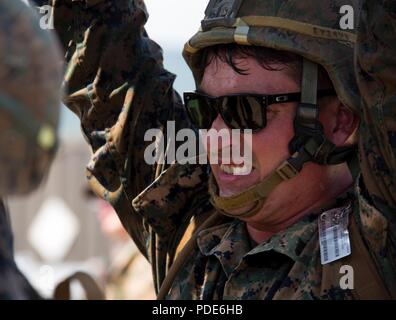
(221, 79)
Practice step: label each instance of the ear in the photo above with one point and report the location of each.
(346, 123)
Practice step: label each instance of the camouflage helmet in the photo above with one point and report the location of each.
(30, 95)
(308, 28)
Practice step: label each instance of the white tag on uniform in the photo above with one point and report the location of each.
(333, 234)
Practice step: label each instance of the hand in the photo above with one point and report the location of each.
(103, 42)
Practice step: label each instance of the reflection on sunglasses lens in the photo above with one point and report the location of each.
(238, 112)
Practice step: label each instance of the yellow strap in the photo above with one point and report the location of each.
(296, 26)
(186, 237)
(254, 194)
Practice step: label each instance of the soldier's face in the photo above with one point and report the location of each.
(270, 145)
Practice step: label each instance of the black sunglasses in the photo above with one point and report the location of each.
(239, 111)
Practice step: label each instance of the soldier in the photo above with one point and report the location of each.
(30, 95)
(303, 214)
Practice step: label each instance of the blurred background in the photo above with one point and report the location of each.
(62, 227)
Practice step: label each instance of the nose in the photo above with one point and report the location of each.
(218, 138)
(219, 124)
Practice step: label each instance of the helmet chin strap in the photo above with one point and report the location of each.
(308, 144)
(254, 197)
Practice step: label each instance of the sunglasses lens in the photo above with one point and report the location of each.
(243, 112)
(238, 112)
(200, 112)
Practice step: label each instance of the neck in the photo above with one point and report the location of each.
(260, 233)
(272, 220)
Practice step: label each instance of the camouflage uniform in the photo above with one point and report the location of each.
(30, 83)
(118, 99)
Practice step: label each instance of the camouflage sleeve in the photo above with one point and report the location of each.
(376, 72)
(376, 75)
(118, 87)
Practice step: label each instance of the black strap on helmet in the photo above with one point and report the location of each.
(309, 142)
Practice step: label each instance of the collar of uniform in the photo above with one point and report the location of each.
(291, 241)
(230, 242)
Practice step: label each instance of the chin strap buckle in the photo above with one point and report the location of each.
(287, 171)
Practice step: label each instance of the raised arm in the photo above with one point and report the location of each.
(119, 89)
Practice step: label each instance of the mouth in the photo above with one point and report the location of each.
(233, 179)
(236, 170)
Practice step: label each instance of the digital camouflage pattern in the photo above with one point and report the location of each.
(119, 89)
(30, 82)
(375, 71)
(30, 95)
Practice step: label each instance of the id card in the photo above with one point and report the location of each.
(334, 234)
